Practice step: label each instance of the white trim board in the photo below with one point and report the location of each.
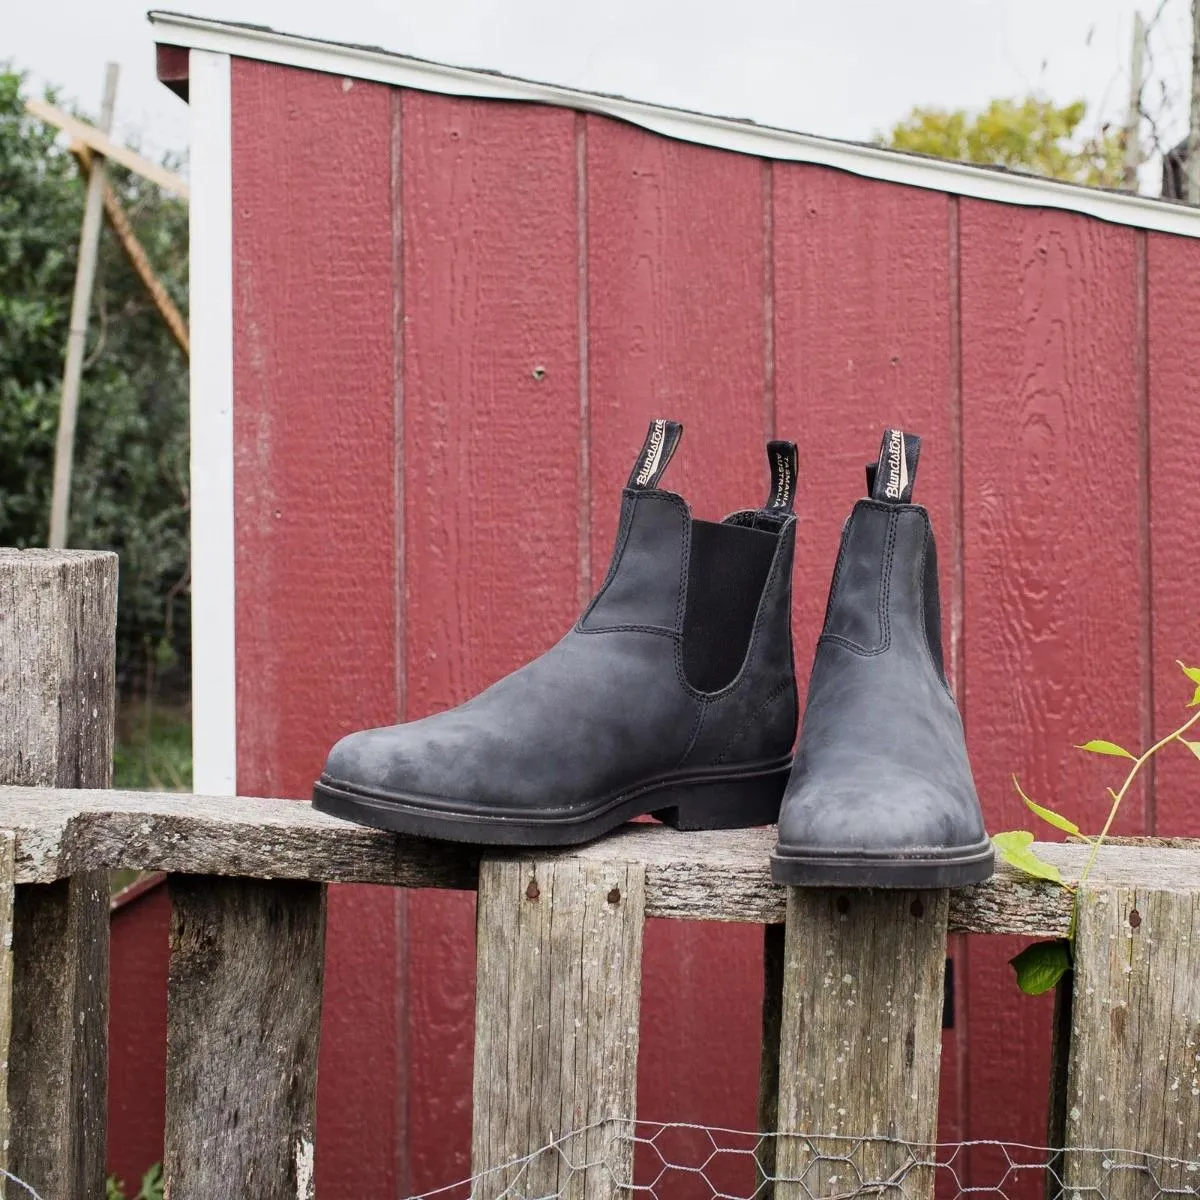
(742, 137)
(214, 679)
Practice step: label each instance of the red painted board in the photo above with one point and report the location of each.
(137, 1035)
(865, 338)
(491, 488)
(314, 494)
(1173, 359)
(676, 307)
(1053, 611)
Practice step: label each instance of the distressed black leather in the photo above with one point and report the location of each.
(605, 725)
(881, 792)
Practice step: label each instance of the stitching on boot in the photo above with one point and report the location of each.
(682, 511)
(750, 719)
(701, 713)
(885, 625)
(619, 553)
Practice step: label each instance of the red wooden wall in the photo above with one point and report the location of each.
(453, 319)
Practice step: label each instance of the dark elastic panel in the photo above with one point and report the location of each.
(728, 568)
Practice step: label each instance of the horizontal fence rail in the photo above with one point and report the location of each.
(706, 876)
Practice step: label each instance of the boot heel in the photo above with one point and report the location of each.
(725, 803)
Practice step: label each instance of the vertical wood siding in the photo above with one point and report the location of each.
(1052, 618)
(1172, 305)
(453, 319)
(315, 527)
(491, 486)
(676, 263)
(864, 335)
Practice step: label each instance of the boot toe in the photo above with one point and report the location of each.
(362, 759)
(884, 812)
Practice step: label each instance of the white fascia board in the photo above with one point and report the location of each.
(741, 137)
(210, 216)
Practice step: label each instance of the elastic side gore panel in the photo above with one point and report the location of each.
(728, 567)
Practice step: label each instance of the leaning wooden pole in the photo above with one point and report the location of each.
(136, 253)
(81, 303)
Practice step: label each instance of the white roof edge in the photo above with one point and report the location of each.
(741, 137)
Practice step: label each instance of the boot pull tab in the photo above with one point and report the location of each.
(891, 478)
(784, 466)
(662, 440)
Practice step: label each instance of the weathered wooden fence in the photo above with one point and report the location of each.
(854, 980)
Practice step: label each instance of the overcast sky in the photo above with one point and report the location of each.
(845, 69)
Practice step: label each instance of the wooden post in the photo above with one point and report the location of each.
(81, 303)
(860, 1042)
(768, 1065)
(243, 1029)
(57, 668)
(7, 872)
(557, 1001)
(1133, 1087)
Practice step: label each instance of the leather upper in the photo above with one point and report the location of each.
(609, 707)
(881, 764)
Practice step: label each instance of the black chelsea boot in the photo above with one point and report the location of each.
(674, 694)
(881, 793)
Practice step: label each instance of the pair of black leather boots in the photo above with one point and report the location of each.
(675, 694)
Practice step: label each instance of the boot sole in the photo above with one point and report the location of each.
(735, 799)
(946, 869)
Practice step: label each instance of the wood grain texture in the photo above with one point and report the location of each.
(860, 1041)
(862, 341)
(58, 613)
(719, 875)
(7, 889)
(1173, 362)
(1051, 464)
(768, 1071)
(491, 434)
(558, 991)
(865, 338)
(243, 1028)
(1134, 1077)
(57, 670)
(316, 561)
(676, 305)
(58, 1065)
(677, 302)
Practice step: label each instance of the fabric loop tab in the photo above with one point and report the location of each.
(662, 440)
(891, 478)
(785, 463)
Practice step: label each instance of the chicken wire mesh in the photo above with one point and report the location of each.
(679, 1161)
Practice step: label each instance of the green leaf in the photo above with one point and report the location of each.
(1194, 747)
(1048, 815)
(1100, 746)
(1193, 673)
(1040, 966)
(1195, 700)
(1014, 849)
(1014, 841)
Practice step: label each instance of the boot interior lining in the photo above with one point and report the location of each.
(727, 569)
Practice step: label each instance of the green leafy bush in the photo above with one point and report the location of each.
(130, 489)
(151, 1189)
